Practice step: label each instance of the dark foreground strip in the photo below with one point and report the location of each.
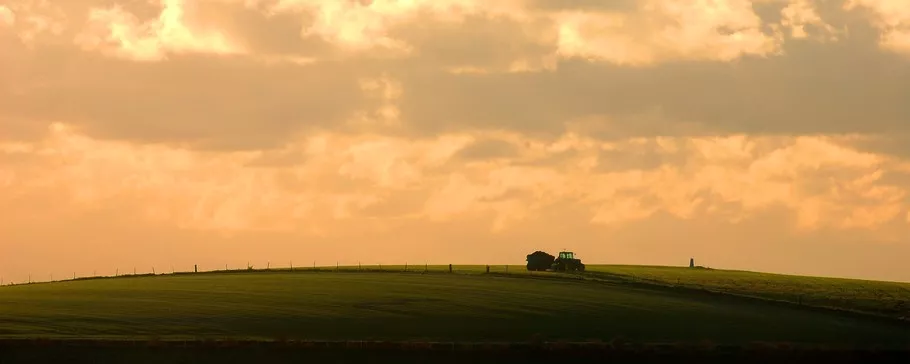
(237, 351)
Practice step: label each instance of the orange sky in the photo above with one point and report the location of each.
(768, 135)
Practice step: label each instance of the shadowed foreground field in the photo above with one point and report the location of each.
(413, 306)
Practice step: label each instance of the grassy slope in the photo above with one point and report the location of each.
(890, 299)
(401, 306)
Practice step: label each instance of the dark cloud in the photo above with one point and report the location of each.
(893, 144)
(261, 33)
(211, 102)
(396, 204)
(849, 86)
(476, 41)
(488, 149)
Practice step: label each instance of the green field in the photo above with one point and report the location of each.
(413, 306)
(889, 299)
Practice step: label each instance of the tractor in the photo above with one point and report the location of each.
(565, 262)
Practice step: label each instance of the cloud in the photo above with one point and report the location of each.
(665, 30)
(116, 32)
(800, 14)
(261, 71)
(432, 127)
(193, 100)
(33, 20)
(826, 185)
(488, 149)
(892, 18)
(7, 17)
(367, 25)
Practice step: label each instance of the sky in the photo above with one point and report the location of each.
(768, 135)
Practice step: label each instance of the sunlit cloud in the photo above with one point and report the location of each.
(115, 32)
(7, 17)
(892, 17)
(666, 30)
(338, 176)
(33, 20)
(802, 13)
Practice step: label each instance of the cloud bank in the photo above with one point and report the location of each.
(751, 133)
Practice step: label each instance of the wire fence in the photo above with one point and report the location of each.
(269, 267)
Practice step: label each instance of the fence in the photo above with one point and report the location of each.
(359, 267)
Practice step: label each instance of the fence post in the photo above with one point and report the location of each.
(195, 268)
(450, 268)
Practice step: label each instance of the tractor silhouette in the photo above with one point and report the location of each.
(565, 262)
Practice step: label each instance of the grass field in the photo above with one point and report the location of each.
(889, 299)
(413, 306)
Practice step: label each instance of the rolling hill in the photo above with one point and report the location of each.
(643, 304)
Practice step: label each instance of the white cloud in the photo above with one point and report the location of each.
(119, 33)
(666, 30)
(365, 25)
(7, 17)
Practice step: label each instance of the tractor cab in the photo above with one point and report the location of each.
(566, 255)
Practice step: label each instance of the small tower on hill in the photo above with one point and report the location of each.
(691, 262)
